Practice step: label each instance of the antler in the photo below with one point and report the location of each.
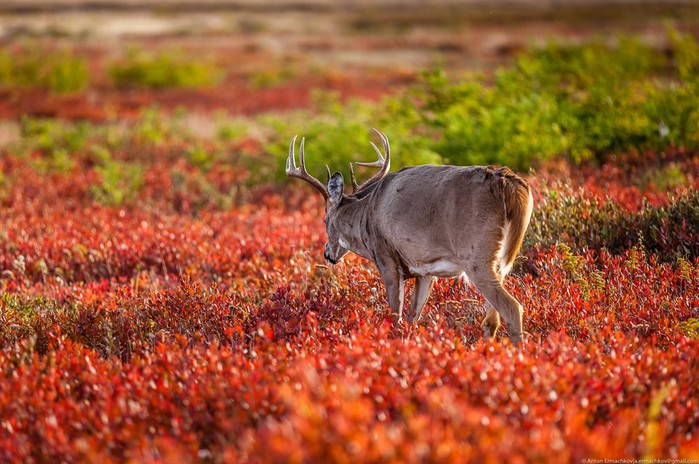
(293, 171)
(383, 163)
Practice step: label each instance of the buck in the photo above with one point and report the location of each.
(429, 221)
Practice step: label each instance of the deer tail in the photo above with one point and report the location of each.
(519, 204)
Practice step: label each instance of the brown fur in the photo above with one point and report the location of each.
(424, 222)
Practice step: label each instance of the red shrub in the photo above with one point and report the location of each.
(160, 331)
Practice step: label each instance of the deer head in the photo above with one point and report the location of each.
(333, 192)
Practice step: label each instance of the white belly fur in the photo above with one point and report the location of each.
(440, 268)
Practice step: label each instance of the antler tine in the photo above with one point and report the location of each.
(384, 140)
(302, 155)
(384, 162)
(386, 148)
(375, 164)
(300, 171)
(291, 159)
(355, 185)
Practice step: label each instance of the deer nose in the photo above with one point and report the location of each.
(328, 258)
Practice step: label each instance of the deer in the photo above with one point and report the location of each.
(429, 221)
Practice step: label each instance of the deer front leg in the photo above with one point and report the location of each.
(395, 283)
(423, 286)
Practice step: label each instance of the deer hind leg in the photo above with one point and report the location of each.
(423, 286)
(490, 286)
(491, 322)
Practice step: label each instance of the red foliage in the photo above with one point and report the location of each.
(157, 331)
(235, 96)
(628, 179)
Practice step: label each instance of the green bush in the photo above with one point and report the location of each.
(119, 181)
(164, 70)
(690, 328)
(60, 143)
(67, 74)
(505, 124)
(579, 102)
(48, 135)
(582, 102)
(59, 71)
(342, 134)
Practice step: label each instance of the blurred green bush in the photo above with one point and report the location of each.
(31, 66)
(339, 134)
(163, 70)
(580, 102)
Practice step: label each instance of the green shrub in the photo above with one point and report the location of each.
(271, 78)
(48, 135)
(504, 124)
(230, 130)
(342, 134)
(157, 71)
(152, 127)
(119, 181)
(60, 143)
(59, 71)
(581, 102)
(665, 177)
(690, 328)
(201, 156)
(67, 74)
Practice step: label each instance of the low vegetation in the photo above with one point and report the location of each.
(141, 69)
(59, 71)
(579, 103)
(164, 295)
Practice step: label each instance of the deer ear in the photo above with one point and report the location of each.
(336, 186)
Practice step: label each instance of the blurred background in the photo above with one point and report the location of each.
(358, 48)
(513, 82)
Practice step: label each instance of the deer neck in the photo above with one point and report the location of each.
(354, 225)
